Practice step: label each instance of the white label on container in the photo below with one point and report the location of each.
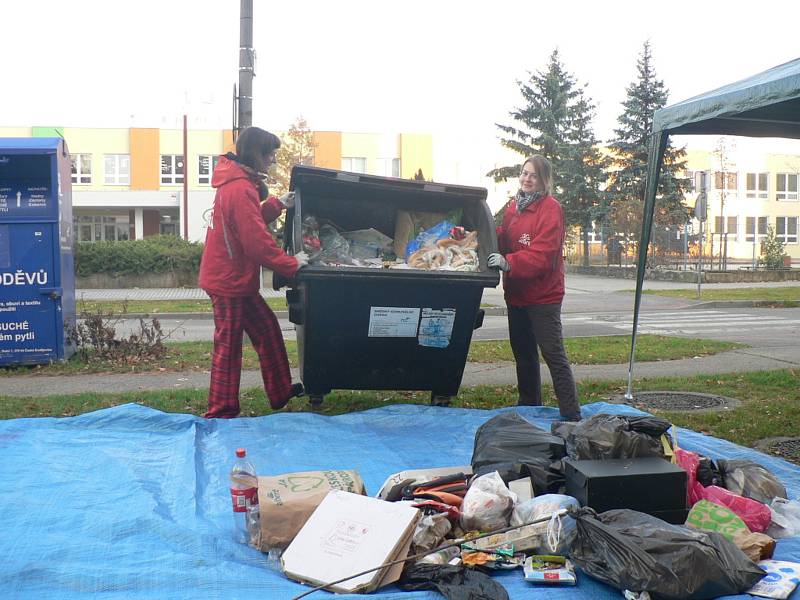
(393, 321)
(436, 327)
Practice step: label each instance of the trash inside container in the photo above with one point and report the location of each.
(365, 318)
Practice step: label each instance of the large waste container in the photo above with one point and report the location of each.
(384, 328)
(37, 278)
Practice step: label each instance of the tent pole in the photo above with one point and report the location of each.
(658, 143)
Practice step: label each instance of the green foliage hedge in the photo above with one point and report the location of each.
(155, 254)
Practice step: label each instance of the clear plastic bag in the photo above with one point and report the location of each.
(557, 534)
(487, 504)
(430, 530)
(785, 518)
(335, 248)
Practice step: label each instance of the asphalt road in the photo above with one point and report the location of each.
(763, 327)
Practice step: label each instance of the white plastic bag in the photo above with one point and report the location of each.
(487, 504)
(785, 518)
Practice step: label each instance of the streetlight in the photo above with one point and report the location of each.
(701, 213)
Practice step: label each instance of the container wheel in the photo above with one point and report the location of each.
(315, 400)
(439, 400)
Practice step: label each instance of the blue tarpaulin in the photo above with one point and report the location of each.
(130, 502)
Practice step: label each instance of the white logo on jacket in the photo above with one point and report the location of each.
(525, 239)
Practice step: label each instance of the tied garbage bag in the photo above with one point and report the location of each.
(613, 436)
(751, 480)
(516, 448)
(555, 536)
(635, 551)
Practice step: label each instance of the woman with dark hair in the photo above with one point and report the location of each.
(238, 244)
(531, 241)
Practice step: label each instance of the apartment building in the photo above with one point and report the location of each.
(747, 193)
(128, 183)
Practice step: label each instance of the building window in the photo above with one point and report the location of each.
(206, 163)
(168, 225)
(757, 185)
(786, 186)
(96, 228)
(750, 223)
(732, 229)
(354, 164)
(171, 168)
(730, 181)
(389, 167)
(81, 168)
(117, 169)
(786, 229)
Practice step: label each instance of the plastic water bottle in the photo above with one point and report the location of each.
(244, 495)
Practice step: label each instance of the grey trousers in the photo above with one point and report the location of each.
(540, 325)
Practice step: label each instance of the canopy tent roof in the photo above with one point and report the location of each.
(764, 105)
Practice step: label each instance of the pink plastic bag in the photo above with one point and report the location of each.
(756, 516)
(689, 461)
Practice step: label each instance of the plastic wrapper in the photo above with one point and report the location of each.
(780, 582)
(487, 504)
(367, 243)
(335, 248)
(430, 236)
(430, 530)
(310, 232)
(517, 448)
(755, 515)
(408, 224)
(614, 436)
(689, 462)
(751, 480)
(785, 518)
(634, 551)
(709, 516)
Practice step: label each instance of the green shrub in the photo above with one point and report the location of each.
(155, 254)
(772, 251)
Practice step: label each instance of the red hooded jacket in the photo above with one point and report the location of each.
(237, 240)
(532, 244)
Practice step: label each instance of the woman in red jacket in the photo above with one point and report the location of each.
(238, 244)
(530, 241)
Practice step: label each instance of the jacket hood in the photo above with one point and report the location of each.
(227, 170)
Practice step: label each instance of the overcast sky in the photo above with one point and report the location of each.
(436, 66)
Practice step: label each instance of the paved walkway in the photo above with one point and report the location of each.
(736, 361)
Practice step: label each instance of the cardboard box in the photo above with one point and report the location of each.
(348, 534)
(649, 485)
(287, 501)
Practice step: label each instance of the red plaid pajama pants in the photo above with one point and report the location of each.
(232, 316)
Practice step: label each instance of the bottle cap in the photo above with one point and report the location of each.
(241, 452)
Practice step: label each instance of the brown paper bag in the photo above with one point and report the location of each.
(287, 501)
(757, 546)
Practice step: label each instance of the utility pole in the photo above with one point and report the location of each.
(700, 213)
(244, 112)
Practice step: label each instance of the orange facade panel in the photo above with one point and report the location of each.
(228, 144)
(328, 149)
(145, 159)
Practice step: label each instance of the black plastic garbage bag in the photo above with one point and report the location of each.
(515, 447)
(634, 551)
(708, 473)
(454, 583)
(613, 436)
(751, 480)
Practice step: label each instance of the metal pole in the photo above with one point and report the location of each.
(246, 65)
(185, 180)
(686, 246)
(700, 262)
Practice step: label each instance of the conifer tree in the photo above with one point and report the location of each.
(630, 150)
(583, 172)
(542, 124)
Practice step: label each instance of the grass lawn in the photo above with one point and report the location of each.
(196, 356)
(154, 307)
(787, 296)
(770, 402)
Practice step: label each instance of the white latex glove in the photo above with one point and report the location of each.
(497, 260)
(302, 259)
(287, 199)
